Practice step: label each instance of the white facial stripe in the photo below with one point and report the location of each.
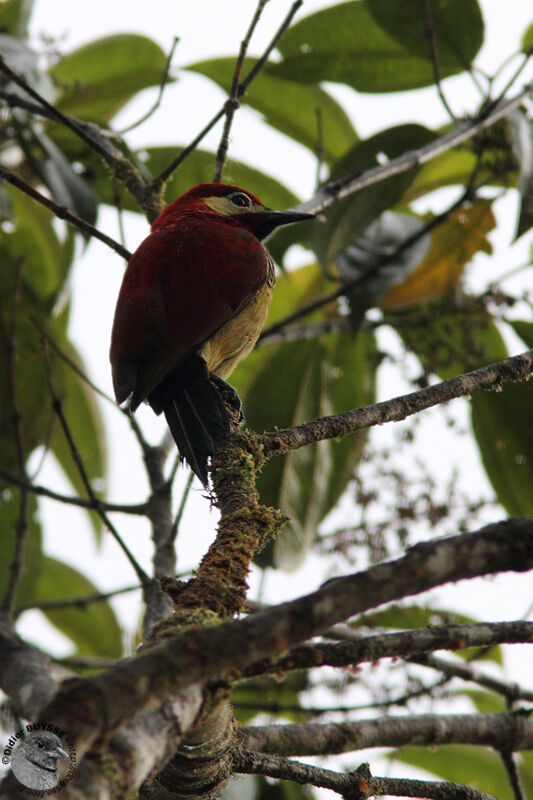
(224, 206)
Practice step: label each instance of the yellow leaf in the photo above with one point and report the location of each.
(453, 244)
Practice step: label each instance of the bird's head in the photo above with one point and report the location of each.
(237, 206)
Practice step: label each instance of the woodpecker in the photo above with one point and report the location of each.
(193, 301)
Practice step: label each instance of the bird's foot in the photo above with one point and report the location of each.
(229, 394)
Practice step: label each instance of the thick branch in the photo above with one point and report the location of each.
(340, 425)
(25, 673)
(416, 641)
(98, 705)
(508, 730)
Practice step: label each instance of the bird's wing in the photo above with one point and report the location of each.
(183, 283)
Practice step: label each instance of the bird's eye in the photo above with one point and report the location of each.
(40, 745)
(241, 200)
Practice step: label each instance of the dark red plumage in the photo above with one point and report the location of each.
(192, 302)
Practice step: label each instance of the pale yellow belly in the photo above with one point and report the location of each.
(235, 340)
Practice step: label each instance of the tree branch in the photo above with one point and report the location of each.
(340, 425)
(430, 32)
(63, 213)
(164, 176)
(26, 673)
(106, 701)
(466, 672)
(9, 335)
(356, 785)
(509, 762)
(138, 509)
(232, 103)
(332, 191)
(490, 730)
(405, 644)
(76, 602)
(359, 280)
(58, 410)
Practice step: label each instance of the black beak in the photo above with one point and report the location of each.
(267, 221)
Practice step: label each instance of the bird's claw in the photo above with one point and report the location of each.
(229, 394)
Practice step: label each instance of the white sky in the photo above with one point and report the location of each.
(208, 29)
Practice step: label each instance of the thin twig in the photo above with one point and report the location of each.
(493, 376)
(62, 212)
(466, 672)
(430, 31)
(106, 151)
(356, 785)
(346, 288)
(75, 602)
(162, 86)
(73, 365)
(138, 509)
(514, 77)
(179, 514)
(333, 191)
(232, 103)
(164, 176)
(260, 63)
(98, 506)
(16, 567)
(509, 762)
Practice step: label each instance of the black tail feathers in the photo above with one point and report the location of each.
(196, 414)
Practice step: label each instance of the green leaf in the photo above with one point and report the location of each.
(455, 168)
(478, 767)
(526, 772)
(14, 17)
(502, 420)
(486, 702)
(348, 43)
(94, 629)
(302, 380)
(306, 113)
(407, 617)
(456, 44)
(9, 517)
(36, 243)
(98, 79)
(524, 330)
(503, 427)
(348, 219)
(527, 39)
(22, 378)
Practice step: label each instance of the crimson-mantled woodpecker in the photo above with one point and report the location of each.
(192, 304)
